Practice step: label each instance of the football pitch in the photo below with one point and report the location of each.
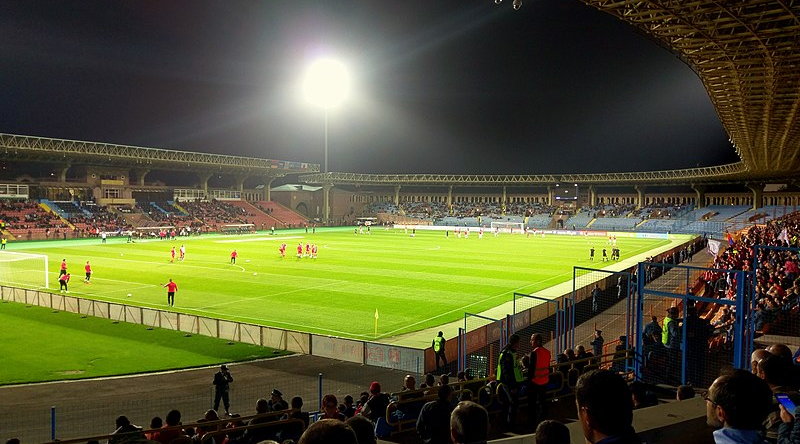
(411, 283)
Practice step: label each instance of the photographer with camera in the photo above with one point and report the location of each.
(222, 381)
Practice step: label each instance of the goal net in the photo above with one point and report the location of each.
(508, 227)
(24, 269)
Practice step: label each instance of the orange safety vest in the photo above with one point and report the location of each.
(541, 373)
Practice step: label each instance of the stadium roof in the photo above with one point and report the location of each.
(746, 53)
(76, 152)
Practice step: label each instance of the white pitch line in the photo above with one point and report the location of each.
(269, 295)
(474, 303)
(234, 241)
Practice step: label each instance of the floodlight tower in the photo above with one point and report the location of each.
(326, 84)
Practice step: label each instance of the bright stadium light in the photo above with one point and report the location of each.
(326, 83)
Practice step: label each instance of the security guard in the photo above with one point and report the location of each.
(510, 377)
(438, 350)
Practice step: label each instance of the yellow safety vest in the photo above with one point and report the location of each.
(665, 330)
(518, 376)
(437, 343)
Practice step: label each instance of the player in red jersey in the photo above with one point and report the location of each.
(172, 254)
(88, 269)
(63, 280)
(299, 250)
(234, 255)
(63, 268)
(282, 249)
(172, 288)
(308, 250)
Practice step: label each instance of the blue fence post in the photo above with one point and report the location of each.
(640, 316)
(53, 423)
(738, 339)
(684, 339)
(320, 390)
(462, 356)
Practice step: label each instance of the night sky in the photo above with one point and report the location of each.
(441, 86)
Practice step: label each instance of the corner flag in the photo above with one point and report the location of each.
(376, 322)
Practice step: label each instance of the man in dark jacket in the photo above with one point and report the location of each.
(433, 423)
(222, 381)
(375, 407)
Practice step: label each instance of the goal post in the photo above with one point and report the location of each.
(24, 269)
(508, 227)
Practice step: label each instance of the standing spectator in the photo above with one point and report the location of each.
(597, 344)
(737, 404)
(651, 330)
(172, 288)
(375, 407)
(539, 374)
(605, 408)
(432, 422)
(222, 383)
(596, 292)
(469, 424)
(438, 350)
(552, 432)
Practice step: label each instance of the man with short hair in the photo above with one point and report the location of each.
(327, 431)
(469, 423)
(170, 430)
(737, 403)
(509, 373)
(605, 408)
(432, 422)
(539, 377)
(438, 350)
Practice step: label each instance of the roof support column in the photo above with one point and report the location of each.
(326, 203)
(592, 195)
(758, 194)
(639, 195)
(204, 181)
(62, 173)
(450, 200)
(239, 183)
(141, 174)
(503, 203)
(700, 191)
(550, 198)
(397, 195)
(267, 188)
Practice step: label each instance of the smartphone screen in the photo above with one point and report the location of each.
(787, 403)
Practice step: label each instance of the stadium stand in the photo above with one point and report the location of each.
(282, 214)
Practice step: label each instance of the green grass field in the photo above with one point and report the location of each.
(414, 282)
(40, 344)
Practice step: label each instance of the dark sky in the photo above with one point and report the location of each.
(444, 86)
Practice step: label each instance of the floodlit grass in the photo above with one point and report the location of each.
(40, 344)
(413, 282)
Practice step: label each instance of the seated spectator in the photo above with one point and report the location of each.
(430, 381)
(330, 408)
(433, 420)
(349, 408)
(444, 379)
(171, 429)
(737, 404)
(552, 432)
(327, 431)
(605, 409)
(409, 383)
(125, 432)
(258, 434)
(641, 396)
(461, 376)
(789, 429)
(276, 402)
(469, 424)
(297, 411)
(777, 372)
(363, 428)
(685, 392)
(155, 423)
(375, 407)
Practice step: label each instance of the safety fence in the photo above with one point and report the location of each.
(480, 343)
(687, 332)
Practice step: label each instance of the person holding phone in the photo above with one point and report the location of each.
(789, 429)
